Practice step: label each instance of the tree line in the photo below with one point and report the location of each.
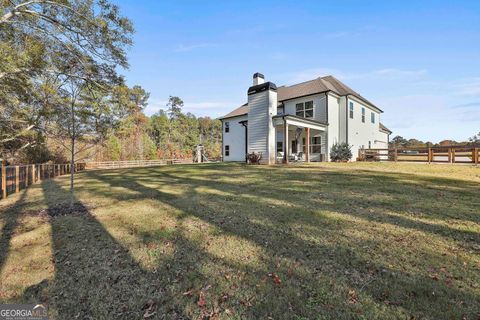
(399, 141)
(62, 97)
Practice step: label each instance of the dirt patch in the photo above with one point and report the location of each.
(63, 209)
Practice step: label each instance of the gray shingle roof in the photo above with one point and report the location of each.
(315, 86)
(382, 127)
(240, 111)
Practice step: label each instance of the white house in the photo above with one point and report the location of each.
(310, 116)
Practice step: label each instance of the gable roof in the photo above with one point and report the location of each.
(315, 86)
(240, 111)
(382, 127)
(319, 85)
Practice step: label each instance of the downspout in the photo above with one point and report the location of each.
(346, 119)
(244, 124)
(223, 147)
(326, 134)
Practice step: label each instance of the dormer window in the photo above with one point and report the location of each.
(304, 109)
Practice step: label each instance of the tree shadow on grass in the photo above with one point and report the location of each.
(10, 219)
(349, 194)
(326, 267)
(96, 276)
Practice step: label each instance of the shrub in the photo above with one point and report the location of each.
(341, 152)
(254, 158)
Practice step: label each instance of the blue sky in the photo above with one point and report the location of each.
(419, 61)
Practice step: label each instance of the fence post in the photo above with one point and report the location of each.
(17, 180)
(26, 176)
(395, 156)
(475, 156)
(34, 178)
(4, 179)
(430, 155)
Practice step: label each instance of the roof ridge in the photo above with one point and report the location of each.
(296, 84)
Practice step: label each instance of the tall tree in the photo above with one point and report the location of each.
(41, 37)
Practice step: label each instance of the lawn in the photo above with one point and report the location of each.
(230, 241)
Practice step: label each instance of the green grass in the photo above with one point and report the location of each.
(229, 241)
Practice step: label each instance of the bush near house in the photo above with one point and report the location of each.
(341, 152)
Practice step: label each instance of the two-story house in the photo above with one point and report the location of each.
(301, 122)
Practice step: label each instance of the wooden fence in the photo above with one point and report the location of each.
(134, 163)
(447, 154)
(16, 178)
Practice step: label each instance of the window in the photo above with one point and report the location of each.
(372, 117)
(279, 111)
(351, 110)
(279, 146)
(316, 145)
(294, 146)
(227, 126)
(227, 151)
(363, 115)
(304, 109)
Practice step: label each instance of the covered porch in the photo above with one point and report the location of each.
(299, 139)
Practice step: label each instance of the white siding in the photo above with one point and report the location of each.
(359, 133)
(381, 140)
(235, 138)
(333, 135)
(343, 114)
(319, 106)
(261, 132)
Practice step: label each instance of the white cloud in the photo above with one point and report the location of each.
(191, 47)
(339, 34)
(379, 74)
(467, 87)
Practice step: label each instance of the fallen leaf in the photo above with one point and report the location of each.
(188, 293)
(149, 308)
(201, 300)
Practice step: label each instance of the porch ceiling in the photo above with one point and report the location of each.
(299, 122)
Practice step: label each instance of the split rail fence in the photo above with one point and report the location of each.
(19, 177)
(444, 154)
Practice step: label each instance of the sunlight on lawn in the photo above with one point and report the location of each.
(235, 241)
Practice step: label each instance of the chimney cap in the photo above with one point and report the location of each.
(262, 87)
(258, 75)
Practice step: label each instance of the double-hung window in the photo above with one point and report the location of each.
(316, 144)
(363, 115)
(351, 110)
(227, 126)
(372, 117)
(304, 109)
(227, 150)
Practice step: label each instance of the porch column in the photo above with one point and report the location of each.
(307, 156)
(285, 142)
